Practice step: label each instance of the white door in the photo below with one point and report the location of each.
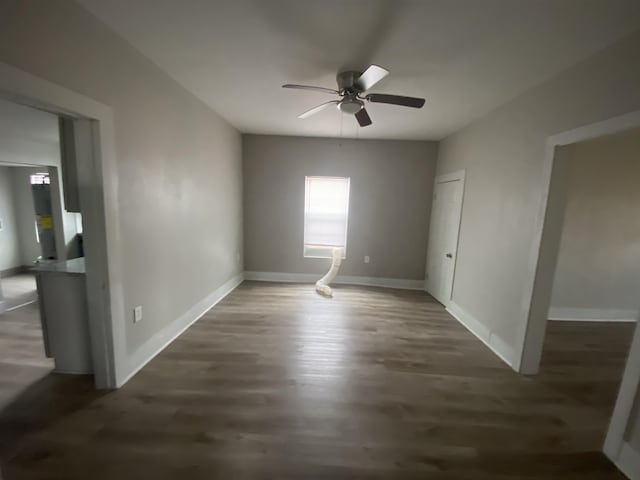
(443, 236)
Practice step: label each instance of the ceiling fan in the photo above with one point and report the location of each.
(351, 87)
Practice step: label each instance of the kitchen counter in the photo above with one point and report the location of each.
(65, 315)
(74, 266)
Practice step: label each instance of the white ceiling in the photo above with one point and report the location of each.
(466, 57)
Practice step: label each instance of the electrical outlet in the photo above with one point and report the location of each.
(366, 259)
(137, 314)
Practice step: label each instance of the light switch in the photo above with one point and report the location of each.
(366, 259)
(137, 314)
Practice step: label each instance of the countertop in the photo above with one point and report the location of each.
(74, 266)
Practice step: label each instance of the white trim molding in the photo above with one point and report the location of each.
(496, 344)
(400, 283)
(152, 347)
(614, 443)
(541, 265)
(568, 314)
(628, 462)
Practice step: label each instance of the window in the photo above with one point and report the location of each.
(40, 179)
(326, 208)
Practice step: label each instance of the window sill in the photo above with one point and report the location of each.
(321, 252)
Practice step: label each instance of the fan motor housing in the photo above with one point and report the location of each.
(347, 80)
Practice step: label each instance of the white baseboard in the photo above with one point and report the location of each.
(568, 314)
(10, 307)
(8, 304)
(281, 277)
(496, 344)
(400, 283)
(164, 337)
(628, 462)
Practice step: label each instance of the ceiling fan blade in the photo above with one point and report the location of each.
(309, 87)
(370, 77)
(317, 109)
(363, 118)
(413, 102)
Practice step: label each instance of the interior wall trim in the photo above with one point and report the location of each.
(496, 344)
(628, 462)
(569, 314)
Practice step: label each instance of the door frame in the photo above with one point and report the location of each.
(98, 182)
(615, 447)
(542, 258)
(542, 264)
(459, 175)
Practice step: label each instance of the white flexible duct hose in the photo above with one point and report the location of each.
(322, 285)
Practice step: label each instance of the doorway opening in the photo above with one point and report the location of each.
(40, 230)
(593, 301)
(546, 293)
(97, 181)
(91, 139)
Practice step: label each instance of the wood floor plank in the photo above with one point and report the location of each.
(276, 382)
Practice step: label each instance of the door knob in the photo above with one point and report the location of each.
(449, 255)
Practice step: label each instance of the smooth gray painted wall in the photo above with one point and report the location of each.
(179, 163)
(28, 136)
(389, 205)
(9, 239)
(599, 259)
(503, 154)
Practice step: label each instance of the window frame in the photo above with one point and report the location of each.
(324, 251)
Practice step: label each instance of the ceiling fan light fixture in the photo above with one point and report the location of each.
(350, 106)
(351, 86)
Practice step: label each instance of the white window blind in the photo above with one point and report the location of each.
(326, 210)
(40, 179)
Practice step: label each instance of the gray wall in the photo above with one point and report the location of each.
(28, 136)
(9, 239)
(390, 202)
(179, 163)
(598, 267)
(503, 154)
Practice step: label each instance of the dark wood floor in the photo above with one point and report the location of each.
(278, 383)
